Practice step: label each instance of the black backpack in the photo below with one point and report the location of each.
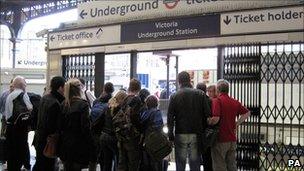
(35, 100)
(21, 115)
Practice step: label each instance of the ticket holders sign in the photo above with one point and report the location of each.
(263, 21)
(174, 29)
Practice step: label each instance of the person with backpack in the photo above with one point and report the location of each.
(77, 145)
(86, 94)
(128, 129)
(152, 121)
(97, 115)
(17, 114)
(108, 140)
(47, 123)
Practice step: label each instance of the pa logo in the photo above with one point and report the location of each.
(294, 163)
(170, 4)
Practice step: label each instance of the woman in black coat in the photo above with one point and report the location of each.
(77, 147)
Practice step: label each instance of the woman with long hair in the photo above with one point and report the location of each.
(108, 141)
(77, 148)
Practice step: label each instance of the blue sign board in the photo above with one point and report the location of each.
(144, 79)
(181, 28)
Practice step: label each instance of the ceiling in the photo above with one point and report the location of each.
(7, 5)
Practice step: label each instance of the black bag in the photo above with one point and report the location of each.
(3, 149)
(156, 143)
(21, 115)
(211, 135)
(35, 100)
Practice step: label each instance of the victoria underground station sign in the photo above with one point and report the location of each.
(174, 29)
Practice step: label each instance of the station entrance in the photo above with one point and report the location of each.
(262, 60)
(267, 78)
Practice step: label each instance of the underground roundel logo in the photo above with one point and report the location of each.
(170, 4)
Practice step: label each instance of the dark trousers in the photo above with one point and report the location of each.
(18, 149)
(71, 166)
(109, 152)
(207, 160)
(42, 162)
(149, 164)
(129, 155)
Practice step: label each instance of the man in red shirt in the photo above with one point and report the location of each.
(226, 109)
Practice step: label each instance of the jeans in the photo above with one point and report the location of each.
(223, 156)
(186, 145)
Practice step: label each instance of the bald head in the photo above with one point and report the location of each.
(19, 83)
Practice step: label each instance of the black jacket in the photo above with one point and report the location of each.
(48, 116)
(108, 121)
(77, 140)
(188, 111)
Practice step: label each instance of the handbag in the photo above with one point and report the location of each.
(156, 143)
(50, 149)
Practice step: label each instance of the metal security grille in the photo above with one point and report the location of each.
(241, 65)
(282, 115)
(80, 66)
(268, 79)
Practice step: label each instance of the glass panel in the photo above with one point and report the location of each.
(200, 63)
(6, 60)
(117, 70)
(152, 69)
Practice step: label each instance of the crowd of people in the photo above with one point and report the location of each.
(110, 130)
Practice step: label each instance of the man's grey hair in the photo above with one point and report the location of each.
(222, 86)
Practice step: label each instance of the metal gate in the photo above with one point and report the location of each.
(80, 66)
(268, 79)
(282, 116)
(241, 67)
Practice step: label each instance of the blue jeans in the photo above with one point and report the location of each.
(186, 145)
